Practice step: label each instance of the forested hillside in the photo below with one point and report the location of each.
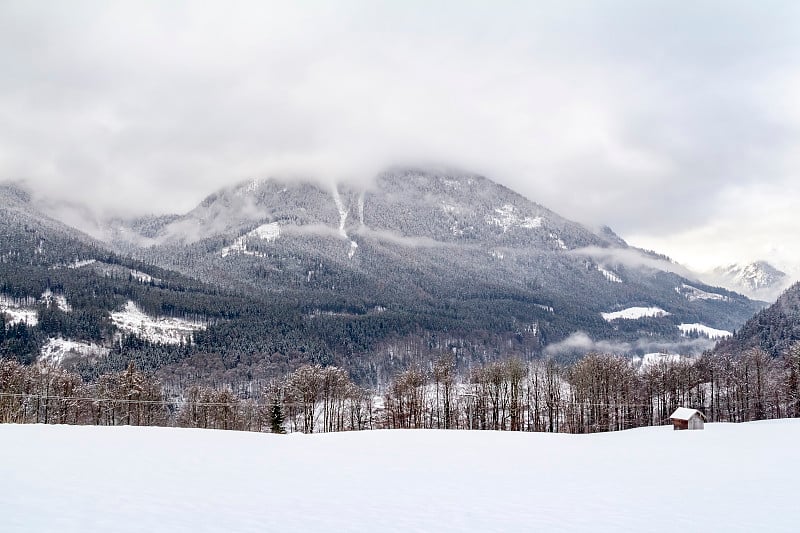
(774, 329)
(266, 276)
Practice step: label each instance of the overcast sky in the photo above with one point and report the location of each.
(676, 123)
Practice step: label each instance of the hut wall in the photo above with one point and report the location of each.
(696, 422)
(679, 424)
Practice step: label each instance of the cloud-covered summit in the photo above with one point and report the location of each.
(657, 119)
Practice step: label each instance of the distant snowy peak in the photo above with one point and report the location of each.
(759, 280)
(754, 276)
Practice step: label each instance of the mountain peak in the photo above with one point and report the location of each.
(754, 276)
(758, 279)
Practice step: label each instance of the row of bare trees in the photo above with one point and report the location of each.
(310, 399)
(50, 395)
(600, 392)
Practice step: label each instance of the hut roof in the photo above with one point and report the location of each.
(684, 413)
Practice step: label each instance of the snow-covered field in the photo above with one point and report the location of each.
(99, 479)
(16, 312)
(702, 329)
(164, 330)
(634, 313)
(56, 350)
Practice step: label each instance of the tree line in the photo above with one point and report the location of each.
(600, 392)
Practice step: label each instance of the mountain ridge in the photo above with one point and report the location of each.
(468, 221)
(357, 275)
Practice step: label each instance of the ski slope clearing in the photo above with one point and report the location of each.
(125, 479)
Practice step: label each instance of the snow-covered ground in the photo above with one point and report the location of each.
(506, 217)
(266, 232)
(634, 313)
(705, 331)
(17, 311)
(155, 329)
(693, 294)
(56, 350)
(60, 300)
(651, 359)
(124, 479)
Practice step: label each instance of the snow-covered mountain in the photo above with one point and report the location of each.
(419, 241)
(758, 280)
(282, 271)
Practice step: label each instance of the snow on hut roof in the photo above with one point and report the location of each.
(684, 413)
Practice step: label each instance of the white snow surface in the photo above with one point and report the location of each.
(155, 329)
(651, 359)
(683, 413)
(343, 212)
(506, 217)
(738, 477)
(704, 330)
(59, 299)
(634, 313)
(56, 349)
(266, 232)
(558, 241)
(17, 312)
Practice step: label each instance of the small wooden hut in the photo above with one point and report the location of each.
(685, 418)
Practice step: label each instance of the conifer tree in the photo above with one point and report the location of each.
(276, 417)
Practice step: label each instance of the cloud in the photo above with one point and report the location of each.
(748, 223)
(394, 237)
(579, 343)
(639, 116)
(632, 258)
